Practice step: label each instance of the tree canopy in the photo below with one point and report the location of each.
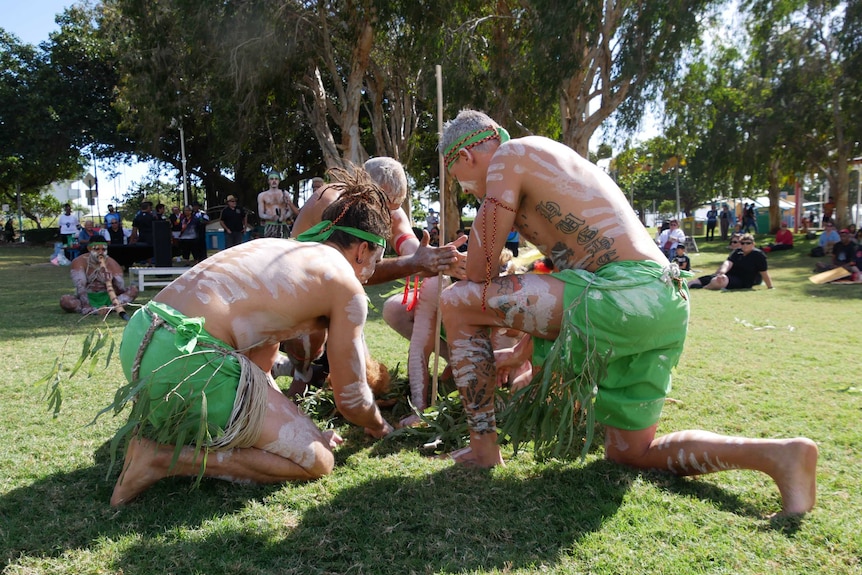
(304, 86)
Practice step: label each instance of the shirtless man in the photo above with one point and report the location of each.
(91, 282)
(574, 213)
(415, 257)
(223, 320)
(275, 209)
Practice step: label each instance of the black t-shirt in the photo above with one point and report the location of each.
(746, 269)
(144, 223)
(117, 236)
(844, 254)
(233, 217)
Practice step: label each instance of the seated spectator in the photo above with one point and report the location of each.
(115, 234)
(92, 280)
(783, 240)
(668, 239)
(681, 259)
(827, 240)
(507, 263)
(843, 253)
(86, 235)
(856, 267)
(435, 237)
(745, 268)
(733, 244)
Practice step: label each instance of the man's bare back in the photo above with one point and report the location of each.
(243, 293)
(566, 206)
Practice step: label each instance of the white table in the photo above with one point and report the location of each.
(154, 276)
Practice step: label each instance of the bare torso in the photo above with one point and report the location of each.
(264, 291)
(95, 276)
(274, 205)
(566, 206)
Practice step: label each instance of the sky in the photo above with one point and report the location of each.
(32, 21)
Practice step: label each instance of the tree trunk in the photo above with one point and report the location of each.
(774, 195)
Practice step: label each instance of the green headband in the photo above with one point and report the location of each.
(476, 138)
(322, 231)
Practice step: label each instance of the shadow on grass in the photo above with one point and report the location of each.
(693, 487)
(471, 520)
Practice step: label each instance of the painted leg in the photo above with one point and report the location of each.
(791, 463)
(422, 346)
(529, 303)
(70, 304)
(290, 448)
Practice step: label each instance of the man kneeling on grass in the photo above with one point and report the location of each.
(199, 355)
(614, 291)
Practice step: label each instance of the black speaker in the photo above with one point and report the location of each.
(162, 243)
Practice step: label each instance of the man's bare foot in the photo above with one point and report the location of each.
(796, 475)
(483, 451)
(139, 471)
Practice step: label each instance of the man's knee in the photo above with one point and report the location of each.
(397, 317)
(324, 463)
(70, 304)
(628, 447)
(717, 283)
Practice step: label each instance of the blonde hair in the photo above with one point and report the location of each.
(507, 266)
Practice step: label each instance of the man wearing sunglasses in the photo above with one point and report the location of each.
(745, 268)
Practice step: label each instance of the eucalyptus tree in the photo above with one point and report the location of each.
(55, 107)
(816, 70)
(218, 79)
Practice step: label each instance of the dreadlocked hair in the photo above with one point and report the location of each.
(361, 205)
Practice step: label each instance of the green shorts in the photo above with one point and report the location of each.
(99, 299)
(637, 313)
(188, 373)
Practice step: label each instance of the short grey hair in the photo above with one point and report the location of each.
(465, 123)
(388, 173)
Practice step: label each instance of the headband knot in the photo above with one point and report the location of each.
(474, 139)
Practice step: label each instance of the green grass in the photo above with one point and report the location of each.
(761, 363)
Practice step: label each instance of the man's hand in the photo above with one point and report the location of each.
(379, 433)
(332, 438)
(446, 259)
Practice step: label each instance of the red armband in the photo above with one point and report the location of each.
(400, 240)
